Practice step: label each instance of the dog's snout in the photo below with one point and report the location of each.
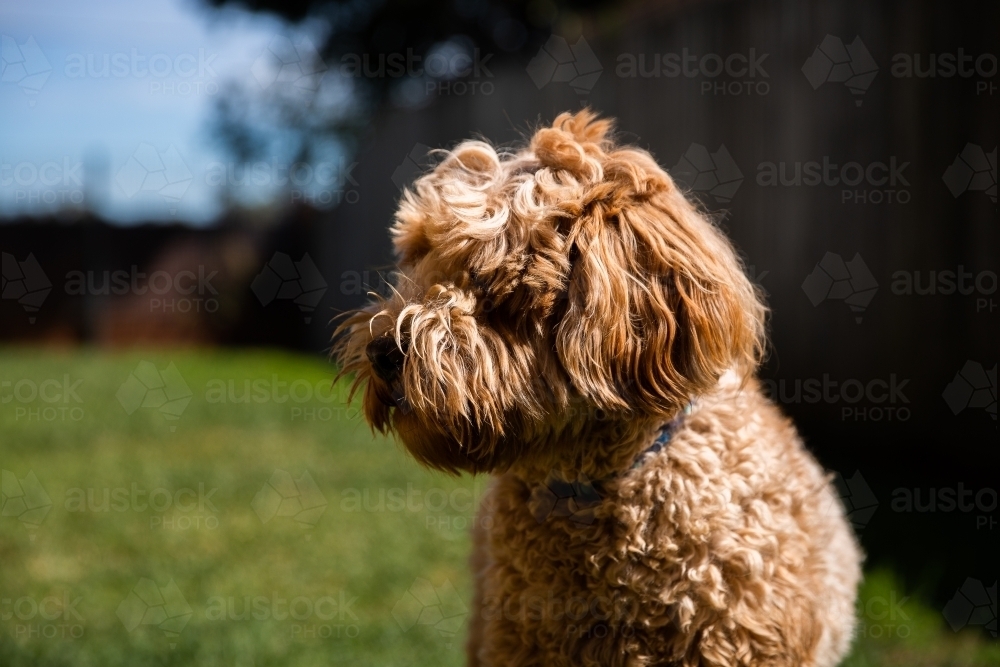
(386, 357)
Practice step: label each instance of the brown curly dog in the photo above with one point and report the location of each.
(565, 319)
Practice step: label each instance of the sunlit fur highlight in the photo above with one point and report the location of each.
(515, 271)
(556, 304)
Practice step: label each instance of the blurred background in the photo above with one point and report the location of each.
(190, 191)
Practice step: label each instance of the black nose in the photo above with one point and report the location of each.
(386, 357)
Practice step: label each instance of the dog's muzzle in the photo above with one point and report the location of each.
(386, 358)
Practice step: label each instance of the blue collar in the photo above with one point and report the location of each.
(576, 500)
(663, 439)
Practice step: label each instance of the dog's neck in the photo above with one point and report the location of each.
(595, 449)
(604, 448)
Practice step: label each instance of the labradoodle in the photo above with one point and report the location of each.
(565, 319)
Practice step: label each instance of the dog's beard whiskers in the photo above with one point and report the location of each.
(460, 381)
(458, 370)
(446, 370)
(462, 391)
(399, 398)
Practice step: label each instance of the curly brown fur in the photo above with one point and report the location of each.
(554, 307)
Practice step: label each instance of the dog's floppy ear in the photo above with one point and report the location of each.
(657, 304)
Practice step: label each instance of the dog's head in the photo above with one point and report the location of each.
(540, 287)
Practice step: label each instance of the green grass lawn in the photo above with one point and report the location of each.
(154, 518)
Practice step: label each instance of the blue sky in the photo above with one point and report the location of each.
(123, 114)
